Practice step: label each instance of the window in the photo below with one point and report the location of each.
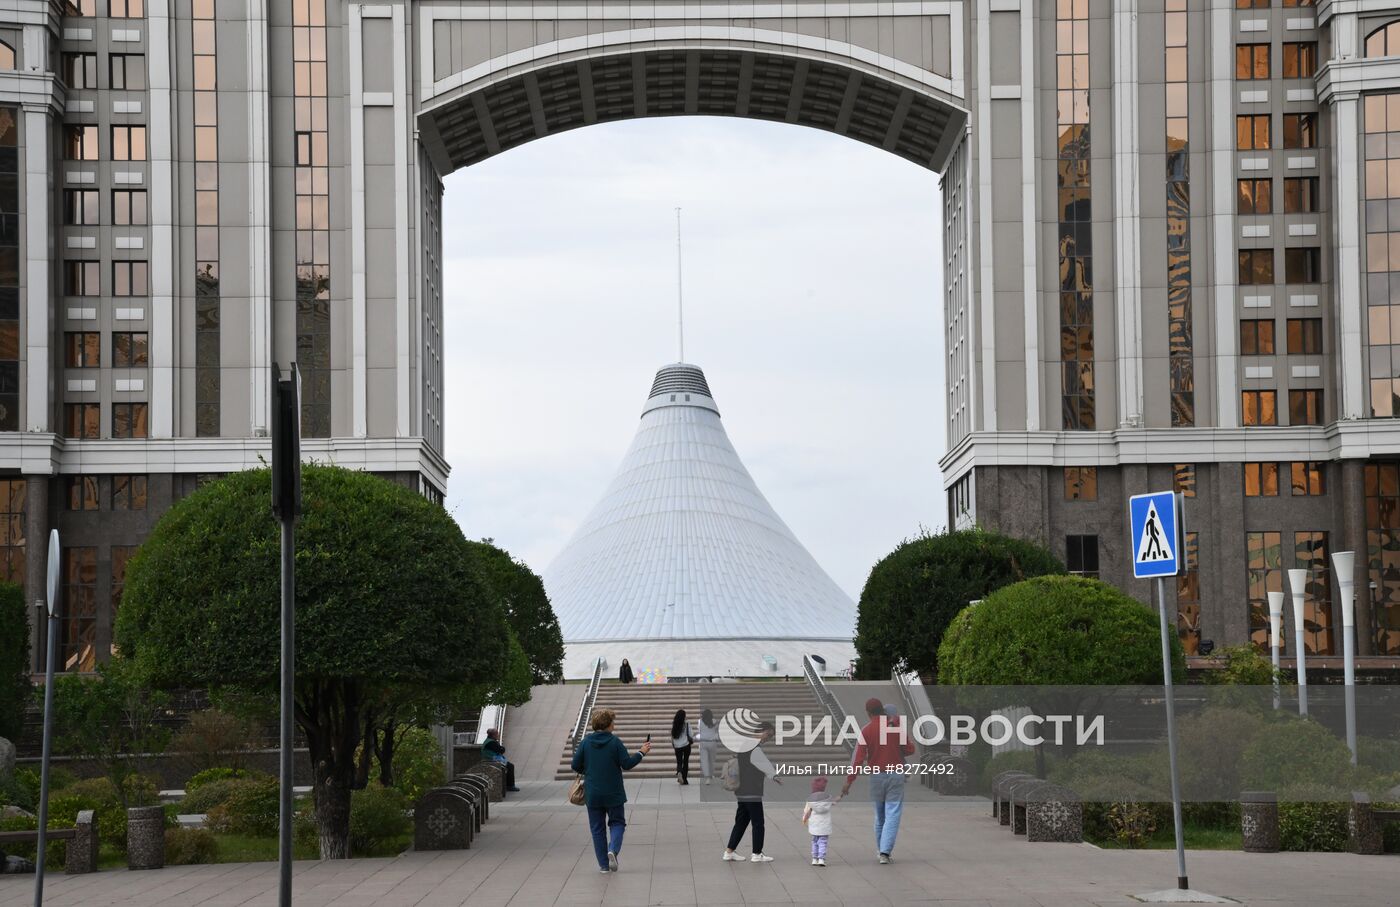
(1251, 61)
(82, 420)
(1188, 596)
(1304, 336)
(13, 493)
(129, 278)
(80, 70)
(1259, 407)
(129, 207)
(1082, 555)
(1310, 553)
(1263, 574)
(1256, 266)
(127, 72)
(1257, 337)
(1252, 132)
(1184, 479)
(7, 57)
(130, 349)
(80, 143)
(1255, 196)
(126, 9)
(1305, 407)
(1384, 41)
(81, 278)
(1251, 4)
(1307, 479)
(128, 420)
(1081, 483)
(79, 609)
(1260, 480)
(1299, 60)
(1300, 195)
(80, 7)
(82, 349)
(1294, 4)
(82, 493)
(1300, 130)
(80, 207)
(1302, 265)
(1382, 480)
(128, 492)
(128, 143)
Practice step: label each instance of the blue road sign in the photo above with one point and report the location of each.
(1156, 537)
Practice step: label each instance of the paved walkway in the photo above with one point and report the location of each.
(535, 851)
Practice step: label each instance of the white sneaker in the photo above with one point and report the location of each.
(814, 861)
(760, 858)
(731, 855)
(884, 858)
(821, 861)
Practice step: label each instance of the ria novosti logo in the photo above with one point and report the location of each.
(740, 729)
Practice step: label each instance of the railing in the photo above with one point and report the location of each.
(824, 696)
(492, 716)
(586, 708)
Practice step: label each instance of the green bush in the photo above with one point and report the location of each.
(14, 792)
(1211, 751)
(99, 795)
(1242, 664)
(378, 815)
(1055, 630)
(219, 773)
(1295, 751)
(305, 836)
(1313, 817)
(1382, 756)
(250, 807)
(1131, 824)
(915, 591)
(57, 850)
(15, 688)
(1011, 761)
(417, 763)
(214, 738)
(186, 846)
(208, 795)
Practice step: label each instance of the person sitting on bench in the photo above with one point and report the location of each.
(494, 752)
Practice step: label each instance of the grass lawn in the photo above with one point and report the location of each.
(1196, 839)
(248, 849)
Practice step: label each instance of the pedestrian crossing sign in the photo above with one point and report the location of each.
(1155, 521)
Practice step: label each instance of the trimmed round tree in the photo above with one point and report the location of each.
(520, 591)
(1056, 630)
(389, 613)
(917, 589)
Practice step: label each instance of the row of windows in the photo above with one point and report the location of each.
(116, 9)
(1260, 407)
(1300, 265)
(1254, 131)
(1257, 337)
(1181, 365)
(125, 72)
(1256, 195)
(128, 143)
(84, 420)
(81, 208)
(129, 278)
(83, 349)
(1261, 479)
(1299, 61)
(127, 492)
(1265, 4)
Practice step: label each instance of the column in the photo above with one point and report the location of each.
(36, 553)
(1352, 402)
(38, 240)
(259, 223)
(1127, 204)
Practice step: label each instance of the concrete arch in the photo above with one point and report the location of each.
(761, 74)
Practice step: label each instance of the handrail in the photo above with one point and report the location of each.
(906, 698)
(825, 697)
(492, 716)
(586, 708)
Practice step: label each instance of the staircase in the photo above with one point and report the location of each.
(648, 709)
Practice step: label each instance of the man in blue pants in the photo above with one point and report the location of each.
(881, 753)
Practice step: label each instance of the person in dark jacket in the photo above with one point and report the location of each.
(602, 758)
(624, 673)
(682, 741)
(754, 768)
(493, 751)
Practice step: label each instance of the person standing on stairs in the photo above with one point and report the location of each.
(602, 758)
(707, 735)
(681, 741)
(624, 673)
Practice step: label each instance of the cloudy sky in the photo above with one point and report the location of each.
(812, 302)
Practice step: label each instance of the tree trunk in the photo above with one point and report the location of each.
(332, 815)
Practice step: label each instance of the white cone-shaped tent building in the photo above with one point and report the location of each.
(683, 566)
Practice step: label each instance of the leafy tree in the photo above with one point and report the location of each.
(521, 592)
(916, 590)
(389, 612)
(15, 688)
(1056, 630)
(1243, 664)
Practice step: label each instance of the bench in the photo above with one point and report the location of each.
(82, 842)
(1001, 799)
(1365, 824)
(1054, 813)
(450, 817)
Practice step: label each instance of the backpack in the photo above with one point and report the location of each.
(729, 779)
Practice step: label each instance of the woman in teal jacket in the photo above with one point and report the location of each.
(602, 758)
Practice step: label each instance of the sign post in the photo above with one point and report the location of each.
(286, 505)
(54, 575)
(1158, 550)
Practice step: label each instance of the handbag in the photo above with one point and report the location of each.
(576, 794)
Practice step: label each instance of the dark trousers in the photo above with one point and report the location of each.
(600, 819)
(510, 774)
(750, 812)
(683, 762)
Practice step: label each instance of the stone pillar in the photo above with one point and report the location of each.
(82, 849)
(36, 552)
(145, 837)
(1259, 821)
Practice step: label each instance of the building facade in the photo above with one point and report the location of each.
(1167, 251)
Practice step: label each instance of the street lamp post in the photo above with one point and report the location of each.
(1275, 637)
(1344, 562)
(1297, 580)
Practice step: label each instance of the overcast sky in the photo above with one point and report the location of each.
(812, 275)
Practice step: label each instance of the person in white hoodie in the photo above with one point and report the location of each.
(817, 817)
(707, 735)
